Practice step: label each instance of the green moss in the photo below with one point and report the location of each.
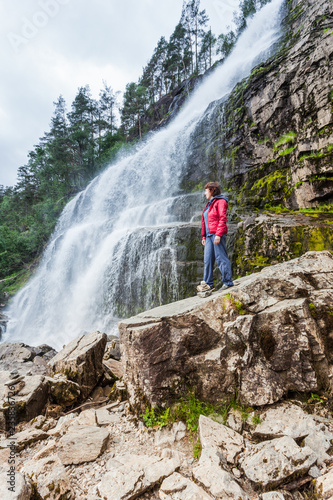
(264, 141)
(285, 139)
(317, 240)
(197, 449)
(270, 186)
(259, 260)
(198, 187)
(229, 303)
(322, 153)
(287, 151)
(312, 308)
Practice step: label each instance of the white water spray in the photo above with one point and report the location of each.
(75, 287)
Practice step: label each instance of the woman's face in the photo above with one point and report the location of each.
(208, 194)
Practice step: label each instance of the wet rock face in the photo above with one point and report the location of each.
(159, 265)
(268, 335)
(271, 141)
(265, 239)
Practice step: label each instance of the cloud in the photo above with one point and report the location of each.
(52, 47)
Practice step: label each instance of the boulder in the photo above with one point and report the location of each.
(286, 420)
(129, 475)
(271, 463)
(114, 366)
(52, 480)
(21, 487)
(23, 400)
(219, 482)
(82, 444)
(23, 357)
(262, 338)
(81, 361)
(177, 487)
(219, 446)
(291, 420)
(219, 439)
(63, 424)
(324, 486)
(105, 417)
(63, 392)
(320, 440)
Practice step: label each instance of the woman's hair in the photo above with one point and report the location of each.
(214, 188)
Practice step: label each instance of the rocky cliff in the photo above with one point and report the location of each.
(271, 141)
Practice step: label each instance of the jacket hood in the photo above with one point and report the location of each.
(221, 197)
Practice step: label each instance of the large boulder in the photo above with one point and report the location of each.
(268, 335)
(130, 475)
(82, 444)
(81, 361)
(271, 463)
(27, 359)
(22, 400)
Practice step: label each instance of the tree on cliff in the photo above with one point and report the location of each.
(82, 130)
(194, 20)
(178, 59)
(225, 43)
(206, 51)
(153, 77)
(135, 104)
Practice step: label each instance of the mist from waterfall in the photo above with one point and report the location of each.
(75, 288)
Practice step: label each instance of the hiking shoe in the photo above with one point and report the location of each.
(224, 287)
(203, 287)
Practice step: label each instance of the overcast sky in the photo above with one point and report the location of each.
(52, 47)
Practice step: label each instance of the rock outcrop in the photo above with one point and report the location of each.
(267, 336)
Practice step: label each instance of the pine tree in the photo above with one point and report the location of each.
(225, 43)
(83, 126)
(179, 58)
(206, 50)
(135, 105)
(194, 21)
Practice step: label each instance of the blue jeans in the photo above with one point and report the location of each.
(218, 253)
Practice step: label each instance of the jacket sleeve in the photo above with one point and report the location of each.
(222, 207)
(203, 227)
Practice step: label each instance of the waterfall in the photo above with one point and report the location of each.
(114, 238)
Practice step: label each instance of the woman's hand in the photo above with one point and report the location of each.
(217, 240)
(203, 241)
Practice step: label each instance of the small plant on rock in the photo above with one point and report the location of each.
(315, 398)
(157, 418)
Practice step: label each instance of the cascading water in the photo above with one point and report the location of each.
(97, 251)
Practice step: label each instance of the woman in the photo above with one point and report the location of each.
(213, 231)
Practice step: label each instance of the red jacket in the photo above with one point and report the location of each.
(217, 218)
